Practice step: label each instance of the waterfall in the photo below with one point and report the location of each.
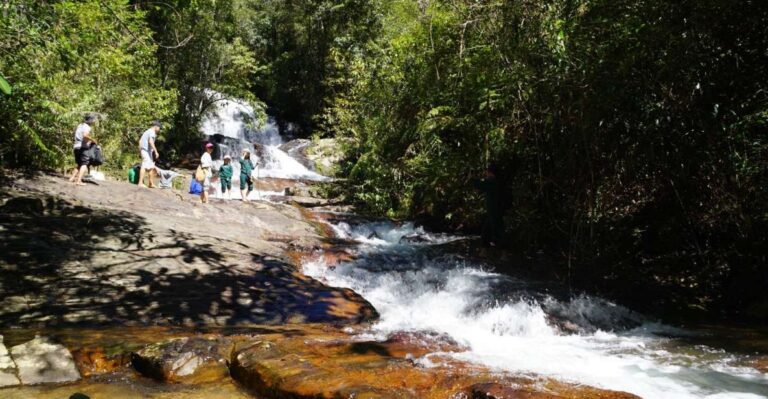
(234, 126)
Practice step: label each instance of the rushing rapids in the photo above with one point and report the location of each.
(513, 325)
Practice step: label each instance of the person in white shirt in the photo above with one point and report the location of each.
(206, 162)
(83, 141)
(149, 154)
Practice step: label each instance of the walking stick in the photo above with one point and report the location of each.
(256, 183)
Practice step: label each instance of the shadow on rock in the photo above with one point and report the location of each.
(65, 264)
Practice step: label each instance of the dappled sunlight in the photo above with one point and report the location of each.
(66, 265)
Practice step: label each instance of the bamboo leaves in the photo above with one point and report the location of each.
(5, 87)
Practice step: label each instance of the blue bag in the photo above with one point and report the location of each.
(195, 187)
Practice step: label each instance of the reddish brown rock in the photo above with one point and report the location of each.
(191, 360)
(336, 256)
(95, 361)
(420, 343)
(761, 364)
(331, 365)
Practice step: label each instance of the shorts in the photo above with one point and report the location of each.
(244, 182)
(207, 180)
(226, 184)
(146, 160)
(81, 157)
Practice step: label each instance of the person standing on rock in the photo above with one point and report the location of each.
(83, 141)
(149, 154)
(225, 175)
(206, 163)
(246, 180)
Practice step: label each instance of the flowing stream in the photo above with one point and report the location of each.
(518, 326)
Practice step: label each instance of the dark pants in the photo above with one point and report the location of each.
(245, 182)
(81, 157)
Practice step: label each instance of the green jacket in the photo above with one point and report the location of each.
(246, 167)
(225, 173)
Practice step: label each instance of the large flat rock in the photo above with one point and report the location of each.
(331, 365)
(114, 254)
(41, 361)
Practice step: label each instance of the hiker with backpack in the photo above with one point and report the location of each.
(149, 154)
(83, 142)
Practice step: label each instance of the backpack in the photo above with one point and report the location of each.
(195, 187)
(200, 174)
(95, 156)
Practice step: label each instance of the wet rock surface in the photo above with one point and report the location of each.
(97, 361)
(292, 361)
(331, 365)
(42, 361)
(190, 359)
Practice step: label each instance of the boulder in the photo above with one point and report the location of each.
(297, 149)
(282, 369)
(330, 364)
(322, 156)
(96, 361)
(7, 368)
(414, 238)
(190, 360)
(41, 361)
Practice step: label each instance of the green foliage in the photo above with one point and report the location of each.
(628, 133)
(70, 58)
(5, 87)
(203, 49)
(311, 56)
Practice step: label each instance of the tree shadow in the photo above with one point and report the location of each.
(62, 264)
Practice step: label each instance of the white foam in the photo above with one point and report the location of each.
(514, 335)
(236, 120)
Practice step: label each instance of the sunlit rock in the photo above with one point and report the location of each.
(96, 361)
(41, 361)
(190, 360)
(305, 364)
(7, 367)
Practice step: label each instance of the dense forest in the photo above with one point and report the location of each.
(629, 135)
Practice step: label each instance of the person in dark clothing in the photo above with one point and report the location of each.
(493, 224)
(246, 181)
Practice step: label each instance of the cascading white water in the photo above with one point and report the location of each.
(236, 121)
(416, 292)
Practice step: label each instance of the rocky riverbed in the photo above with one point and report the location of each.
(114, 291)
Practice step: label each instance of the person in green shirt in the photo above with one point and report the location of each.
(225, 175)
(246, 167)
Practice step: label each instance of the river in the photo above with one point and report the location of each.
(514, 325)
